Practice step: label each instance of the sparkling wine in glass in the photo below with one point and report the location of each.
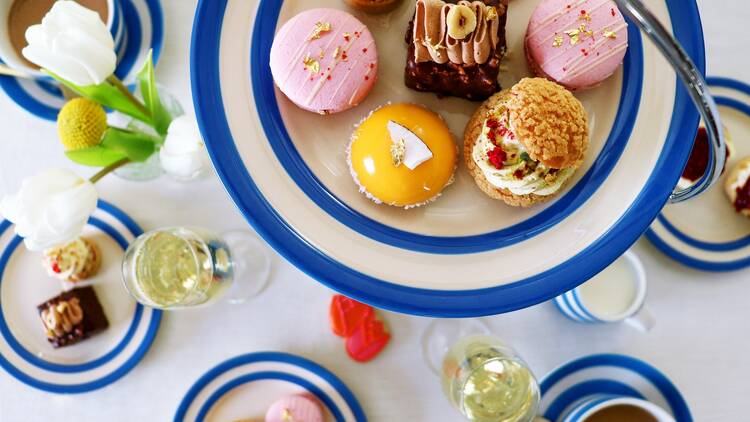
(484, 378)
(182, 267)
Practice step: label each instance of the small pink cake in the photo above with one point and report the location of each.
(576, 43)
(295, 408)
(324, 60)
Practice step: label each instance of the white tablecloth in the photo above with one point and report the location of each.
(700, 341)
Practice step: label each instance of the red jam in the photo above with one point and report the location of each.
(743, 197)
(497, 156)
(698, 161)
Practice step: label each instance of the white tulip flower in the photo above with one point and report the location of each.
(51, 208)
(73, 43)
(183, 155)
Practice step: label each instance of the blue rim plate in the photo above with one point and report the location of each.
(301, 375)
(95, 362)
(609, 374)
(706, 233)
(463, 255)
(144, 30)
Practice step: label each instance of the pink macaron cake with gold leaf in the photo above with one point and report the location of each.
(324, 60)
(576, 43)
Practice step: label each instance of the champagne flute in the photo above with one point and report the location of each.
(183, 267)
(484, 378)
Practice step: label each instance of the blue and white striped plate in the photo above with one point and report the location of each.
(143, 30)
(464, 255)
(95, 362)
(706, 233)
(245, 387)
(609, 374)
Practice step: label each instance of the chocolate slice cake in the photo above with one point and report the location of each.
(72, 316)
(455, 47)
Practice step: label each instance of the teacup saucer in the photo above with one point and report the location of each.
(245, 386)
(706, 233)
(609, 374)
(95, 362)
(144, 23)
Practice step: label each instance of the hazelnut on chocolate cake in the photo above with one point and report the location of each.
(455, 47)
(72, 316)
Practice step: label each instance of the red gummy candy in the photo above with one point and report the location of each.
(368, 340)
(348, 314)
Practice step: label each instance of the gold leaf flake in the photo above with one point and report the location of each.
(336, 52)
(398, 152)
(311, 65)
(574, 35)
(557, 42)
(490, 13)
(320, 28)
(322, 54)
(286, 415)
(609, 34)
(584, 16)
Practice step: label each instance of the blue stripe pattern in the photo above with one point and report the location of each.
(653, 380)
(108, 378)
(674, 249)
(128, 35)
(207, 97)
(269, 375)
(259, 357)
(571, 305)
(308, 182)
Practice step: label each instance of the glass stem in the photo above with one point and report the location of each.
(114, 80)
(109, 169)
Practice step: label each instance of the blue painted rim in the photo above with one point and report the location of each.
(287, 358)
(297, 169)
(116, 374)
(132, 41)
(678, 405)
(270, 375)
(586, 389)
(672, 250)
(54, 367)
(276, 231)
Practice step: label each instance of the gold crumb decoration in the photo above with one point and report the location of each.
(287, 415)
(609, 34)
(490, 13)
(584, 16)
(81, 124)
(319, 29)
(574, 35)
(311, 65)
(398, 152)
(557, 42)
(322, 54)
(336, 52)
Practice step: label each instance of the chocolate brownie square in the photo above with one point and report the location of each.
(439, 63)
(72, 316)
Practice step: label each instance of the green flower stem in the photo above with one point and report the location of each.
(114, 80)
(109, 169)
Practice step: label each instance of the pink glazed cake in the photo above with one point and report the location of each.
(324, 60)
(299, 408)
(576, 43)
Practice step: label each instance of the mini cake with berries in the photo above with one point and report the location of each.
(737, 187)
(523, 144)
(74, 261)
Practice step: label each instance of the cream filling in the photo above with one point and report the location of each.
(536, 178)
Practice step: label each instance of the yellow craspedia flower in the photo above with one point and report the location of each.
(81, 124)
